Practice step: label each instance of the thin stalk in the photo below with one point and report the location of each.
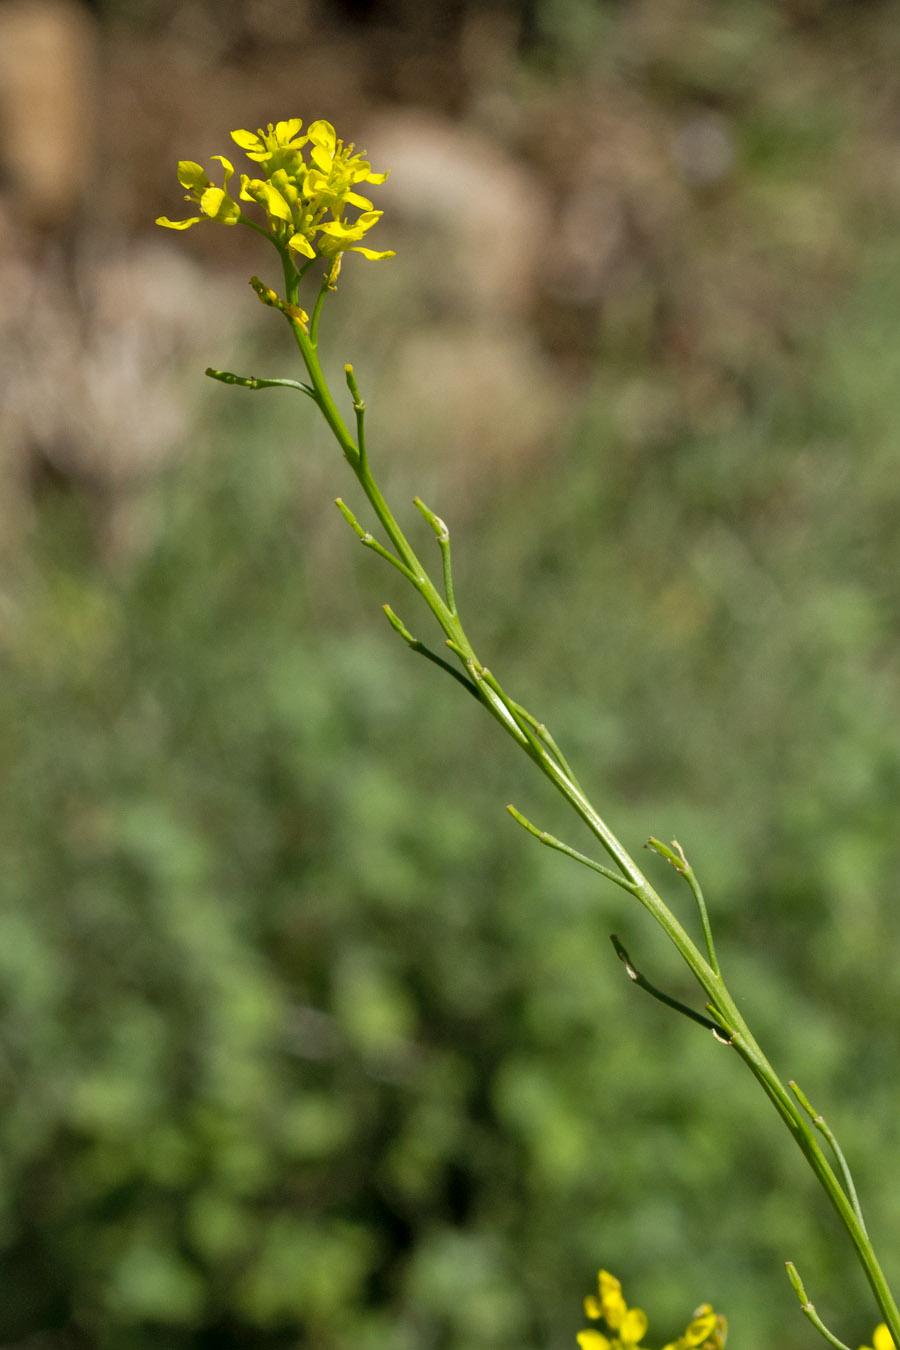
(643, 983)
(675, 855)
(369, 540)
(252, 225)
(442, 534)
(824, 1129)
(520, 726)
(419, 647)
(543, 837)
(314, 322)
(359, 407)
(808, 1308)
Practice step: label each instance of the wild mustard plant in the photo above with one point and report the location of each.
(304, 186)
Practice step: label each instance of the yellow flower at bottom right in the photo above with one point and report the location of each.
(881, 1339)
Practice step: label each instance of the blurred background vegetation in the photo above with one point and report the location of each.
(302, 1042)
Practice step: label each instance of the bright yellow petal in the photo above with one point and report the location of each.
(300, 244)
(321, 158)
(633, 1326)
(192, 176)
(322, 133)
(375, 177)
(699, 1330)
(247, 140)
(374, 257)
(178, 224)
(882, 1339)
(275, 203)
(217, 204)
(336, 229)
(343, 230)
(615, 1309)
(592, 1307)
(226, 165)
(248, 183)
(592, 1340)
(354, 199)
(286, 131)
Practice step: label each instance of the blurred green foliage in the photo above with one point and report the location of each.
(302, 1041)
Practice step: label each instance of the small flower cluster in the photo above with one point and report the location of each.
(628, 1326)
(304, 202)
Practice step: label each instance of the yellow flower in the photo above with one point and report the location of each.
(304, 201)
(592, 1340)
(215, 202)
(341, 238)
(628, 1325)
(881, 1340)
(706, 1331)
(276, 147)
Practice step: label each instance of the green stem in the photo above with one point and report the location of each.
(809, 1309)
(522, 727)
(359, 408)
(825, 1130)
(314, 322)
(675, 855)
(643, 983)
(252, 225)
(551, 841)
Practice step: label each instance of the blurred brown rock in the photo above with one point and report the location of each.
(472, 223)
(96, 348)
(48, 71)
(484, 213)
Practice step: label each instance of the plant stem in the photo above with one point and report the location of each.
(531, 736)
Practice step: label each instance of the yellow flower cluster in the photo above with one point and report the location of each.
(304, 201)
(628, 1326)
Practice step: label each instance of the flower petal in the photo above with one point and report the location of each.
(883, 1340)
(275, 203)
(338, 230)
(226, 165)
(592, 1340)
(699, 1330)
(321, 158)
(286, 131)
(217, 204)
(192, 176)
(247, 140)
(322, 133)
(374, 257)
(615, 1309)
(250, 188)
(633, 1326)
(300, 244)
(178, 224)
